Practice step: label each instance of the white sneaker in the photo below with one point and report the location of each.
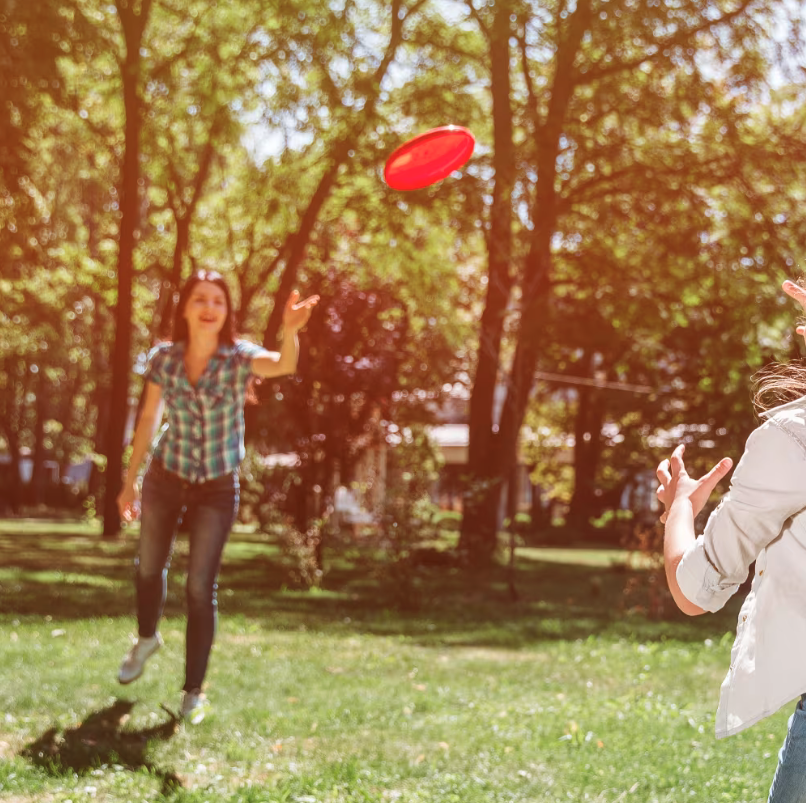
(135, 660)
(194, 706)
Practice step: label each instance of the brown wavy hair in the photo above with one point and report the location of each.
(778, 384)
(227, 335)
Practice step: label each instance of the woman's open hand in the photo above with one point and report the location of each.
(297, 313)
(799, 294)
(675, 482)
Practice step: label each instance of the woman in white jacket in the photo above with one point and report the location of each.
(763, 519)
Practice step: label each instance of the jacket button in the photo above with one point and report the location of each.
(761, 572)
(744, 618)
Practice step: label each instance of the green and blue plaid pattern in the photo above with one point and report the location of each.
(203, 436)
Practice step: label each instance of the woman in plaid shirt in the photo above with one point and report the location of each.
(199, 379)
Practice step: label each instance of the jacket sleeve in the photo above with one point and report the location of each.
(767, 488)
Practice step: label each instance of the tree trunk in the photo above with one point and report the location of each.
(133, 25)
(183, 220)
(15, 369)
(38, 478)
(101, 402)
(536, 272)
(483, 494)
(587, 450)
(13, 489)
(300, 243)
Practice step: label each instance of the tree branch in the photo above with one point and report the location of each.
(483, 27)
(679, 39)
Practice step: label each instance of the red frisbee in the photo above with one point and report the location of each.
(429, 157)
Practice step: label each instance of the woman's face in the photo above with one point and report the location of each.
(206, 309)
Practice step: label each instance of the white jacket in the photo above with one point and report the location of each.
(762, 518)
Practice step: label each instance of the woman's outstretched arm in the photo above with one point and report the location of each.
(270, 364)
(683, 497)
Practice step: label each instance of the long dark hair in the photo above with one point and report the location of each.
(226, 336)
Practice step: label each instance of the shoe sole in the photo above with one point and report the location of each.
(130, 680)
(142, 669)
(190, 719)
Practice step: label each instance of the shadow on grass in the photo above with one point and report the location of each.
(73, 576)
(100, 740)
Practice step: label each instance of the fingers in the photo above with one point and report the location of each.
(670, 472)
(294, 303)
(128, 505)
(664, 475)
(710, 480)
(676, 465)
(308, 303)
(795, 291)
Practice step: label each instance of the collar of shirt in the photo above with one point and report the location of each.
(210, 370)
(223, 349)
(801, 402)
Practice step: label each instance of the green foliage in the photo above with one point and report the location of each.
(268, 495)
(648, 248)
(675, 164)
(302, 553)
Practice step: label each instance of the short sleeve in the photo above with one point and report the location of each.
(767, 488)
(155, 364)
(245, 352)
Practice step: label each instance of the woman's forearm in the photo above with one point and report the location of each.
(678, 537)
(289, 354)
(143, 435)
(271, 364)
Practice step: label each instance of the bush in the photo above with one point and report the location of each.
(409, 518)
(646, 592)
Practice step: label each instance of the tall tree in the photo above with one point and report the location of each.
(584, 68)
(352, 98)
(133, 18)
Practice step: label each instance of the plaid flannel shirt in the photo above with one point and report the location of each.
(203, 436)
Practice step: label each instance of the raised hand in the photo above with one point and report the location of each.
(676, 484)
(296, 312)
(799, 294)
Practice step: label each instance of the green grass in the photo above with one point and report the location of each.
(335, 695)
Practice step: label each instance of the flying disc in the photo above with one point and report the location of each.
(429, 157)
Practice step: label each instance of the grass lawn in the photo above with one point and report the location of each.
(333, 695)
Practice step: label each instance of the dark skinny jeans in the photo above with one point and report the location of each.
(210, 508)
